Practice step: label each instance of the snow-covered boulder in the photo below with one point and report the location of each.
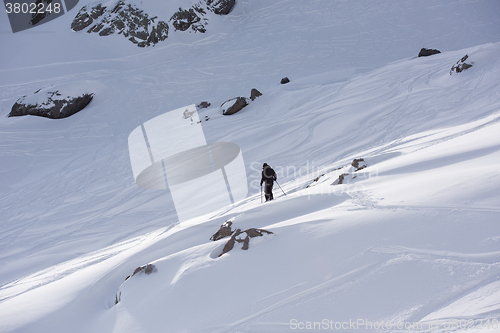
(121, 18)
(52, 103)
(146, 269)
(233, 105)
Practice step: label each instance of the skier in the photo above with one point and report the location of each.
(268, 176)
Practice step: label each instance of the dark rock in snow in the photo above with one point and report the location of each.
(243, 237)
(254, 94)
(461, 65)
(190, 18)
(124, 19)
(285, 80)
(50, 103)
(146, 269)
(37, 16)
(221, 7)
(341, 179)
(139, 27)
(229, 107)
(86, 17)
(193, 19)
(427, 52)
(203, 105)
(356, 163)
(224, 231)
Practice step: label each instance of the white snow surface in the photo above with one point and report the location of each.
(411, 243)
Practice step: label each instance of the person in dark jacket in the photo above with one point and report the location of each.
(268, 177)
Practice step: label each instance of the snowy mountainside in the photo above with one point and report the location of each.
(67, 186)
(412, 239)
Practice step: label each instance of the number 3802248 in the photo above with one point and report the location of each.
(32, 8)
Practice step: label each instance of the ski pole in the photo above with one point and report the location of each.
(260, 193)
(280, 187)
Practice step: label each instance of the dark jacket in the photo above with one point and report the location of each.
(268, 175)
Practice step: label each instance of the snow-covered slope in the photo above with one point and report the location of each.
(411, 238)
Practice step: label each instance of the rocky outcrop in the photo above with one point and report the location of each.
(123, 19)
(192, 18)
(461, 65)
(50, 103)
(233, 105)
(244, 238)
(427, 52)
(143, 29)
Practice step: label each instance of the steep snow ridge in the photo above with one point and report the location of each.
(411, 238)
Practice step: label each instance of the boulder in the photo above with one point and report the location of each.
(221, 7)
(146, 269)
(39, 15)
(340, 180)
(50, 103)
(461, 65)
(223, 232)
(203, 105)
(254, 94)
(427, 52)
(285, 80)
(243, 237)
(358, 164)
(124, 19)
(233, 105)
